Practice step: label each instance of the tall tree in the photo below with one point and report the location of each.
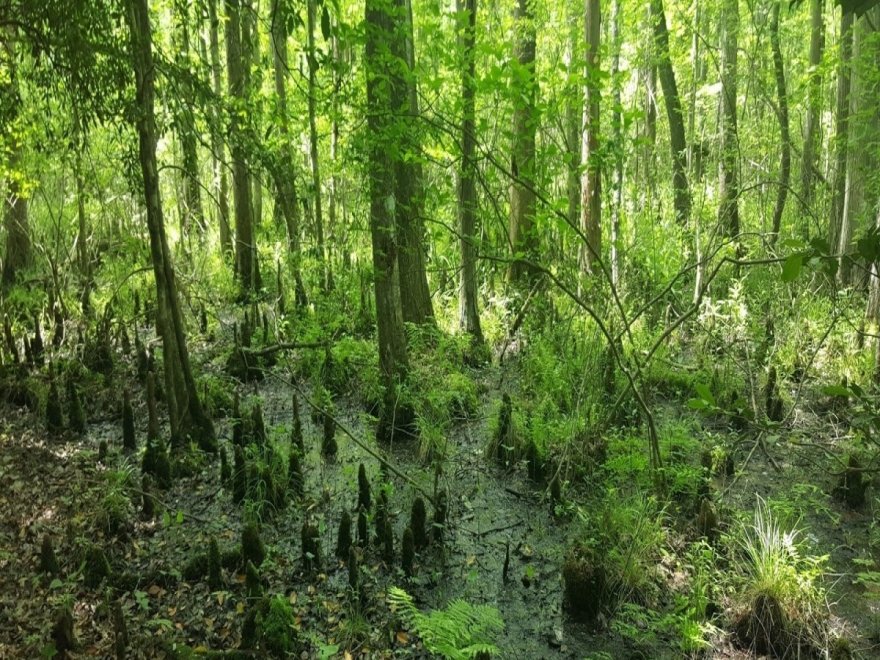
(728, 207)
(672, 101)
(591, 179)
(317, 202)
(522, 236)
(782, 114)
(415, 296)
(220, 182)
(237, 64)
(468, 306)
(617, 141)
(841, 136)
(383, 94)
(814, 102)
(187, 417)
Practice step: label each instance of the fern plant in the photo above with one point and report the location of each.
(461, 631)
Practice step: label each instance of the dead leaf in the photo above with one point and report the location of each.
(402, 637)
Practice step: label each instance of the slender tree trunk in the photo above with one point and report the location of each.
(591, 179)
(188, 419)
(82, 224)
(814, 103)
(384, 94)
(782, 111)
(246, 266)
(468, 308)
(313, 144)
(220, 180)
(415, 295)
(15, 219)
(728, 207)
(844, 74)
(672, 101)
(617, 128)
(522, 236)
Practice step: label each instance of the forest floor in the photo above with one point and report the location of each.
(55, 485)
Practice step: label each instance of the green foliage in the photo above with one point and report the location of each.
(460, 631)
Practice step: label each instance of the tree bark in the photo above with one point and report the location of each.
(617, 139)
(187, 417)
(814, 103)
(18, 241)
(468, 307)
(313, 143)
(383, 94)
(522, 236)
(782, 113)
(672, 101)
(591, 179)
(246, 265)
(220, 178)
(841, 137)
(415, 296)
(728, 207)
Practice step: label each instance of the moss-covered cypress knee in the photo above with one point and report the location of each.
(296, 433)
(853, 484)
(225, 469)
(62, 632)
(215, 575)
(48, 560)
(163, 467)
(149, 503)
(120, 632)
(96, 567)
(417, 522)
(76, 419)
(252, 548)
(364, 499)
(353, 570)
(239, 476)
(54, 417)
(252, 581)
(295, 477)
(128, 439)
(343, 537)
(311, 548)
(388, 543)
(440, 514)
(328, 443)
(237, 422)
(363, 531)
(407, 551)
(707, 520)
(103, 448)
(258, 426)
(152, 415)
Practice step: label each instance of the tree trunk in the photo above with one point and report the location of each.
(814, 103)
(187, 418)
(574, 113)
(415, 296)
(841, 136)
(313, 144)
(782, 110)
(672, 101)
(591, 193)
(18, 241)
(382, 96)
(617, 128)
(220, 182)
(246, 266)
(468, 308)
(522, 236)
(728, 207)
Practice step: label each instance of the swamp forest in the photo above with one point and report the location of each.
(463, 329)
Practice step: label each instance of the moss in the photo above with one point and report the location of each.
(353, 569)
(407, 551)
(54, 417)
(252, 548)
(148, 503)
(381, 516)
(120, 631)
(364, 499)
(585, 584)
(215, 575)
(841, 649)
(239, 476)
(440, 514)
(196, 567)
(279, 637)
(96, 567)
(76, 419)
(343, 537)
(48, 560)
(63, 637)
(252, 582)
(163, 468)
(363, 532)
(311, 547)
(417, 523)
(128, 437)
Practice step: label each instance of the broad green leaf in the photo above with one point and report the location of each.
(791, 269)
